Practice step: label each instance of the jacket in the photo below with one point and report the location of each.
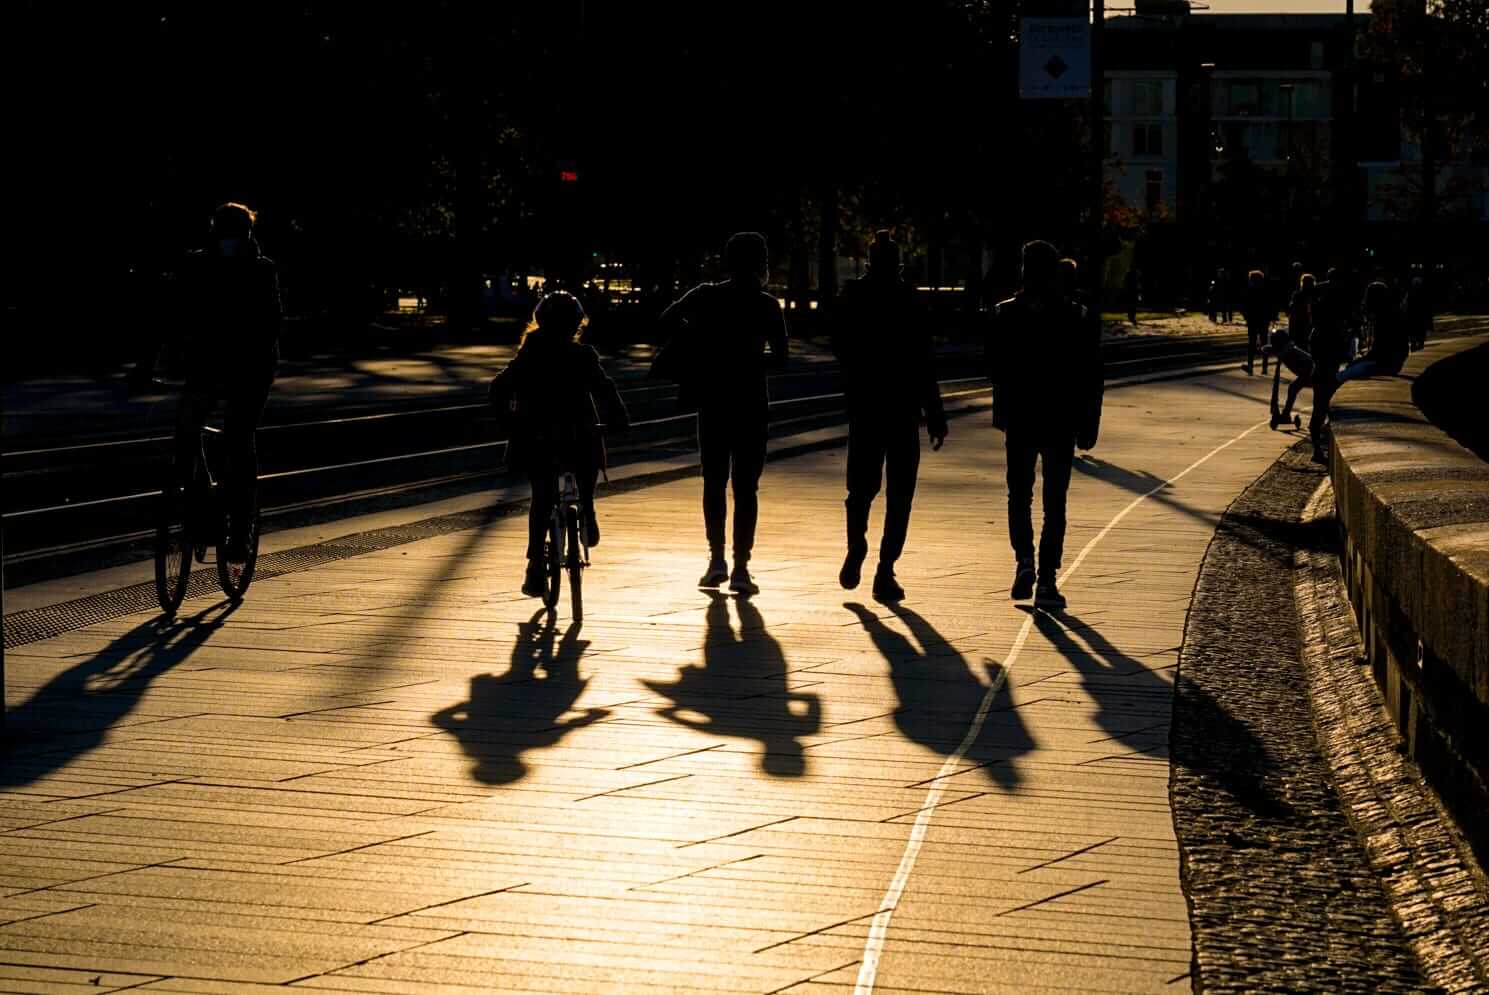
(718, 351)
(888, 361)
(228, 315)
(1044, 360)
(552, 396)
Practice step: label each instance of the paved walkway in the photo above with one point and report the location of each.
(391, 774)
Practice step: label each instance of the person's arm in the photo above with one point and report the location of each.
(925, 364)
(995, 362)
(604, 391)
(1093, 383)
(777, 337)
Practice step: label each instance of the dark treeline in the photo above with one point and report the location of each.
(421, 149)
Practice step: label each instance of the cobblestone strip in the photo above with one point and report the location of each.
(1436, 890)
(1281, 894)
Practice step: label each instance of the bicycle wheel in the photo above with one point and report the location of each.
(553, 559)
(235, 576)
(173, 548)
(575, 562)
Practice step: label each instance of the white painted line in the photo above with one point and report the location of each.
(873, 947)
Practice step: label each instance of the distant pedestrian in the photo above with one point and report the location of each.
(1045, 365)
(726, 338)
(1418, 312)
(553, 394)
(1300, 308)
(1328, 345)
(1226, 297)
(889, 378)
(1258, 310)
(1389, 342)
(1132, 292)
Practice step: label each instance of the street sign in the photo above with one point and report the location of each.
(1054, 58)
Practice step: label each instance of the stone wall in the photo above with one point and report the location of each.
(1414, 509)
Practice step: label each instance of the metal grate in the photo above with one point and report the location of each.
(43, 623)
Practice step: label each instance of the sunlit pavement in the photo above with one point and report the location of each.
(393, 773)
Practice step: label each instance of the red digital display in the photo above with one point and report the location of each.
(569, 176)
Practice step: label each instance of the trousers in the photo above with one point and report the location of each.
(244, 403)
(731, 446)
(1056, 451)
(544, 483)
(882, 452)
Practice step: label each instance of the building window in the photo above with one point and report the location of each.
(1106, 140)
(1152, 190)
(1147, 97)
(1106, 95)
(1243, 98)
(1147, 139)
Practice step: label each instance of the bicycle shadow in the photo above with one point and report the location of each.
(519, 710)
(940, 696)
(73, 712)
(740, 691)
(1136, 707)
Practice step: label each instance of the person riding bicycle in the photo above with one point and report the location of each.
(552, 392)
(229, 322)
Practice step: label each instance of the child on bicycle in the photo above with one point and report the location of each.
(552, 394)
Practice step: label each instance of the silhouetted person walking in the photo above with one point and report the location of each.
(890, 381)
(1045, 366)
(1418, 313)
(1332, 309)
(230, 316)
(1258, 308)
(718, 355)
(1132, 292)
(1389, 342)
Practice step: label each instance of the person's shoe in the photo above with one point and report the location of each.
(1048, 596)
(740, 582)
(716, 574)
(1023, 581)
(1249, 371)
(534, 583)
(591, 528)
(1319, 456)
(886, 588)
(852, 570)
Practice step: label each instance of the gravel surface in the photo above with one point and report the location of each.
(1282, 894)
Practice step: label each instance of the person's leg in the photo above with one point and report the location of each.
(865, 464)
(1057, 456)
(192, 409)
(1359, 370)
(544, 485)
(1293, 390)
(1323, 393)
(245, 407)
(713, 450)
(1250, 349)
(902, 467)
(1021, 454)
(587, 475)
(749, 435)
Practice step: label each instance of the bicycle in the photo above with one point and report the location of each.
(564, 546)
(190, 521)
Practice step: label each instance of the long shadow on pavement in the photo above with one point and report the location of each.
(1135, 707)
(73, 712)
(939, 696)
(740, 691)
(520, 710)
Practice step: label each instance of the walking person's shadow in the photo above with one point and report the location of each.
(521, 710)
(940, 696)
(740, 691)
(1134, 705)
(73, 712)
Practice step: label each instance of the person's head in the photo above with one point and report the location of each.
(1067, 271)
(1040, 261)
(746, 257)
(232, 220)
(1377, 298)
(558, 315)
(1306, 282)
(1418, 284)
(884, 254)
(1297, 268)
(1256, 278)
